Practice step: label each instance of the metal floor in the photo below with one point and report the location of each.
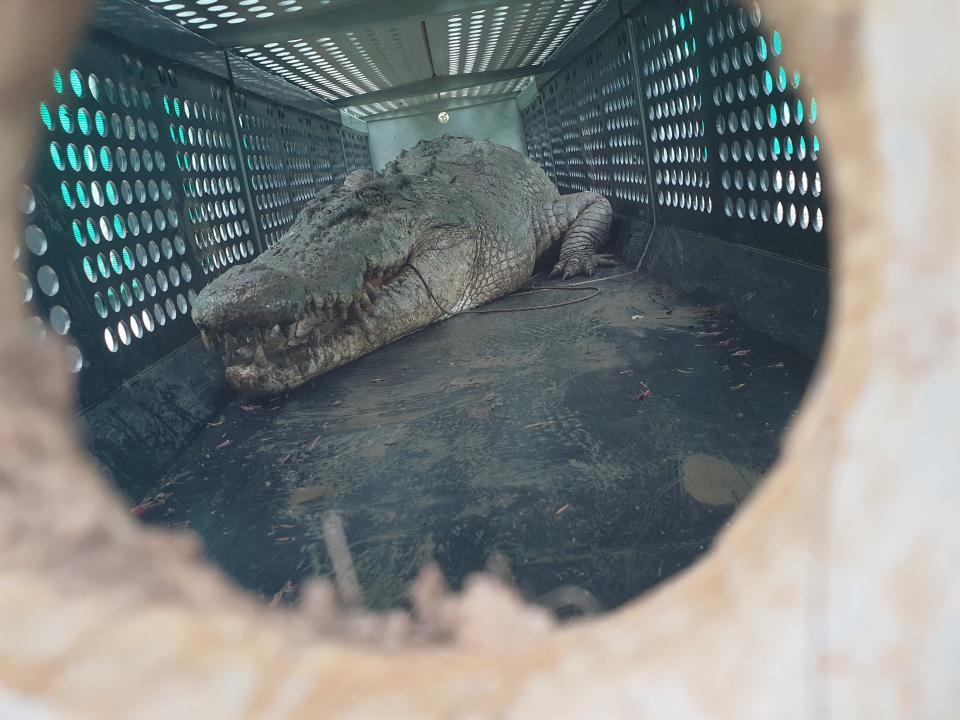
(600, 445)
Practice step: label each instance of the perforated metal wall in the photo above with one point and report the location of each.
(587, 125)
(731, 137)
(150, 181)
(334, 56)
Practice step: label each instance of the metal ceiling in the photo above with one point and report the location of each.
(385, 56)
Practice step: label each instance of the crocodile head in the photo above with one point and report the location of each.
(348, 277)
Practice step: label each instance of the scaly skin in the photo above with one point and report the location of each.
(466, 219)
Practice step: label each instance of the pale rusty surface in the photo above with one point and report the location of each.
(836, 592)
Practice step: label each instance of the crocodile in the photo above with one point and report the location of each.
(449, 225)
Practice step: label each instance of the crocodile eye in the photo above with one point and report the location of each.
(373, 196)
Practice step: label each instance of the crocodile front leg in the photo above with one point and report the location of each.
(582, 222)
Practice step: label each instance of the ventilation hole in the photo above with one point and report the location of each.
(47, 281)
(35, 240)
(74, 359)
(59, 320)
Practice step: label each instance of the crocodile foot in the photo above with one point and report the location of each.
(582, 263)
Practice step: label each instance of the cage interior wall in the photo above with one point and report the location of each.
(152, 179)
(156, 174)
(687, 113)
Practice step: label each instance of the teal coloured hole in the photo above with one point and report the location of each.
(88, 270)
(183, 139)
(112, 192)
(777, 43)
(799, 111)
(761, 48)
(102, 266)
(782, 80)
(796, 81)
(179, 163)
(816, 146)
(76, 82)
(78, 234)
(92, 232)
(46, 117)
(114, 300)
(118, 227)
(176, 107)
(773, 116)
(66, 122)
(693, 44)
(137, 288)
(173, 134)
(803, 147)
(82, 194)
(90, 158)
(100, 120)
(73, 157)
(67, 197)
(690, 17)
(57, 81)
(813, 110)
(767, 81)
(99, 304)
(775, 148)
(789, 148)
(125, 294)
(105, 162)
(56, 157)
(683, 21)
(115, 262)
(128, 259)
(166, 105)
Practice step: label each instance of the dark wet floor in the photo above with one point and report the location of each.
(601, 445)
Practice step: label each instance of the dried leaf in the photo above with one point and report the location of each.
(540, 424)
(685, 372)
(741, 386)
(217, 423)
(224, 444)
(562, 510)
(740, 353)
(249, 408)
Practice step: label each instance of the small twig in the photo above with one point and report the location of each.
(343, 571)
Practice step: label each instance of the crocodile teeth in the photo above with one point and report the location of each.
(302, 328)
(209, 339)
(275, 331)
(366, 302)
(259, 356)
(354, 310)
